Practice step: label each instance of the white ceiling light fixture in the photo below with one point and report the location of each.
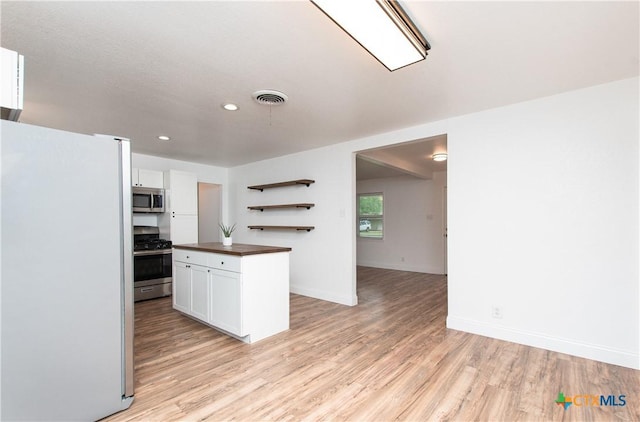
(164, 138)
(230, 107)
(440, 156)
(382, 27)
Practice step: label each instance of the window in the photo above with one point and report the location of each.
(370, 215)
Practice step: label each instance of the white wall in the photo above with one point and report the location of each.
(542, 215)
(413, 225)
(543, 223)
(322, 261)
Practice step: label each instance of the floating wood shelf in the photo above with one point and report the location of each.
(298, 228)
(306, 182)
(273, 207)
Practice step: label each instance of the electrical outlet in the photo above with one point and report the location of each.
(496, 312)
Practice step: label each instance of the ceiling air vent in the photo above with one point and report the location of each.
(269, 97)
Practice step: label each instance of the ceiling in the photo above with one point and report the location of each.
(143, 69)
(406, 159)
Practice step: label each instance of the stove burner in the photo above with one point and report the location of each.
(151, 244)
(147, 238)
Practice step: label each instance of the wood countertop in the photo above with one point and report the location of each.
(237, 249)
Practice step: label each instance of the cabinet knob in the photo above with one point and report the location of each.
(222, 263)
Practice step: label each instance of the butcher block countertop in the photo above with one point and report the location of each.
(237, 249)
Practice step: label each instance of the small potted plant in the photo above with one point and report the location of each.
(226, 231)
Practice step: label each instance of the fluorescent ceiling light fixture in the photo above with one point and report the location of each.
(230, 107)
(441, 156)
(164, 138)
(381, 27)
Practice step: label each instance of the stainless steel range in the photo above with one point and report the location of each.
(151, 264)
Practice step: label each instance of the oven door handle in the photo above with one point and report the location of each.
(152, 252)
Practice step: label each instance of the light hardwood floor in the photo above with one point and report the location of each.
(389, 358)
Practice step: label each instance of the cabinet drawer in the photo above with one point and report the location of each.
(224, 262)
(191, 257)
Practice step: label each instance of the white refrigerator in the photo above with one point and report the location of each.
(66, 281)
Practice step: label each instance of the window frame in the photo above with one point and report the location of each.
(370, 216)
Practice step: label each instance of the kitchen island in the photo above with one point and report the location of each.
(241, 290)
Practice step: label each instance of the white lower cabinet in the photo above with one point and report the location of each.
(225, 299)
(182, 287)
(191, 289)
(246, 297)
(199, 291)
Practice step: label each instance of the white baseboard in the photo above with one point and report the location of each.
(555, 344)
(323, 295)
(403, 267)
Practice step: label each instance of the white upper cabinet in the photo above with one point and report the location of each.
(183, 187)
(179, 222)
(147, 178)
(183, 229)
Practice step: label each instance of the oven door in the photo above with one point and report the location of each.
(151, 267)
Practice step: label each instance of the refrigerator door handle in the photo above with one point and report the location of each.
(127, 268)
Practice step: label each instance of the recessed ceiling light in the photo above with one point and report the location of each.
(230, 107)
(164, 138)
(440, 156)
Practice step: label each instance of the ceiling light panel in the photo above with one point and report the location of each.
(379, 28)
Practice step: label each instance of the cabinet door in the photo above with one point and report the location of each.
(226, 301)
(184, 229)
(150, 179)
(134, 176)
(182, 287)
(200, 292)
(184, 192)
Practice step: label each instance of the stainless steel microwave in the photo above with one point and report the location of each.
(147, 199)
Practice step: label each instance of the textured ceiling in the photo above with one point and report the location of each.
(406, 159)
(141, 69)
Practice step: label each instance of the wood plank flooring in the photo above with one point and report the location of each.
(389, 358)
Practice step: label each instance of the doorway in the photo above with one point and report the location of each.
(413, 186)
(445, 230)
(209, 209)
